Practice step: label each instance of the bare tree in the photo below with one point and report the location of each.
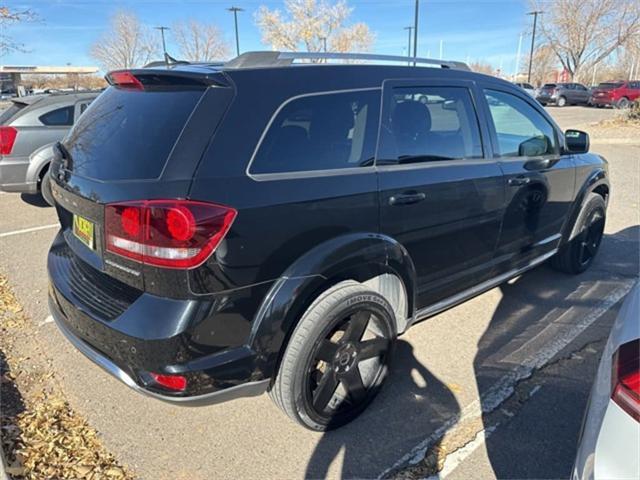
(127, 44)
(582, 33)
(9, 16)
(200, 41)
(544, 65)
(482, 67)
(310, 24)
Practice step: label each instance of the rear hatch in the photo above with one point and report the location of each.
(139, 141)
(547, 89)
(603, 90)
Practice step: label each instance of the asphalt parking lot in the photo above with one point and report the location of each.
(495, 387)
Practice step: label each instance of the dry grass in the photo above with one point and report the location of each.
(42, 436)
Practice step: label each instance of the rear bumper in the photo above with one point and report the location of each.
(545, 99)
(132, 334)
(601, 101)
(248, 389)
(13, 175)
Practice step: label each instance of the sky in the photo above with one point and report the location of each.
(479, 30)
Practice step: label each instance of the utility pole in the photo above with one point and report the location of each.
(409, 44)
(533, 40)
(235, 11)
(324, 43)
(164, 45)
(415, 32)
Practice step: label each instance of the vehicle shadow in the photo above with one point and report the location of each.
(413, 404)
(11, 405)
(541, 441)
(34, 199)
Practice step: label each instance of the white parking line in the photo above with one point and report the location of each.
(505, 386)
(29, 230)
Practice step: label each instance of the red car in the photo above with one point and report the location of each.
(617, 94)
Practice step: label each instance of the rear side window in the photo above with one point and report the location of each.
(321, 132)
(129, 134)
(520, 129)
(424, 124)
(58, 117)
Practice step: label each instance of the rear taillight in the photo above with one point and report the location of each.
(166, 233)
(625, 378)
(7, 139)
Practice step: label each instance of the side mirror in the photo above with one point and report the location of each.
(533, 147)
(576, 141)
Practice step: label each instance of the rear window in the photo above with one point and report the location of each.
(10, 112)
(58, 117)
(609, 85)
(549, 85)
(129, 134)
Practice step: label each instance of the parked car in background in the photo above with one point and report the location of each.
(609, 444)
(30, 123)
(266, 225)
(527, 87)
(562, 94)
(616, 94)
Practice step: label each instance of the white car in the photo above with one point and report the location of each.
(609, 447)
(527, 87)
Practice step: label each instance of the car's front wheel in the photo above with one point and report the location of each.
(337, 358)
(578, 254)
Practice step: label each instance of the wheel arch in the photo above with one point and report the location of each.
(375, 260)
(597, 182)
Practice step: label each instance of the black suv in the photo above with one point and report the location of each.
(269, 225)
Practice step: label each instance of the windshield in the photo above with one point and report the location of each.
(129, 134)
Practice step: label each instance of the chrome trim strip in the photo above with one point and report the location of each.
(478, 289)
(248, 389)
(258, 177)
(370, 57)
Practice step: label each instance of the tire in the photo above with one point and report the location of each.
(45, 189)
(623, 103)
(578, 254)
(562, 101)
(338, 356)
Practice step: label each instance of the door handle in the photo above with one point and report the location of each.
(519, 181)
(407, 198)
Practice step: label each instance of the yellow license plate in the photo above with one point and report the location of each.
(83, 230)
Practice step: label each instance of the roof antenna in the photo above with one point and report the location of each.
(169, 60)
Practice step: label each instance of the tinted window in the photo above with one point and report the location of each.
(321, 132)
(521, 130)
(581, 87)
(609, 85)
(128, 134)
(58, 117)
(549, 85)
(428, 124)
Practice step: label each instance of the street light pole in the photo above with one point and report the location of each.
(533, 40)
(415, 32)
(164, 45)
(409, 44)
(235, 11)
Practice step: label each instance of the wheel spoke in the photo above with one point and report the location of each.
(372, 348)
(357, 325)
(327, 351)
(324, 393)
(352, 382)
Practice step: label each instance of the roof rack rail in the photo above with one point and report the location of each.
(282, 59)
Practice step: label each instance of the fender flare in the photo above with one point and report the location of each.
(39, 160)
(596, 179)
(357, 256)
